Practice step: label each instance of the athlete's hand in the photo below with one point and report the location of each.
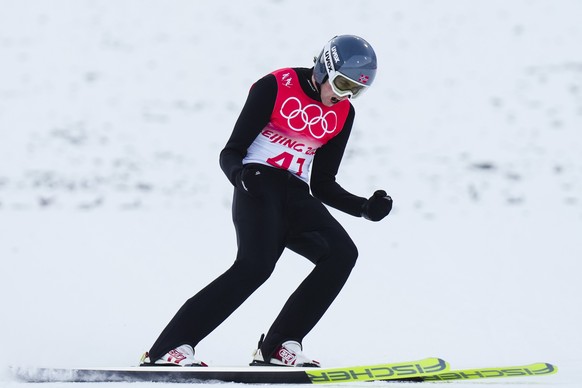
(377, 207)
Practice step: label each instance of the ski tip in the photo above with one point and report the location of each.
(549, 369)
(437, 364)
(541, 368)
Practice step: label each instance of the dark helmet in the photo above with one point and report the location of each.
(350, 64)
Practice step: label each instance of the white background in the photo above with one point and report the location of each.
(113, 209)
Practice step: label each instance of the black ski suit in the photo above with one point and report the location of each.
(273, 210)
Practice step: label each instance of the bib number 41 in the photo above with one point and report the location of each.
(285, 161)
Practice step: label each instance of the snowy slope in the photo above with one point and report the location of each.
(113, 209)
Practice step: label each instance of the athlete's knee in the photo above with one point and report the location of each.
(347, 252)
(341, 252)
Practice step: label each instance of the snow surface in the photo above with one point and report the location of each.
(113, 209)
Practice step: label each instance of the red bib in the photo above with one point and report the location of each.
(299, 126)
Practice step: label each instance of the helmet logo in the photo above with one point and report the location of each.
(363, 79)
(328, 62)
(336, 57)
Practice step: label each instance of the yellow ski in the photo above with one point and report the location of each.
(538, 369)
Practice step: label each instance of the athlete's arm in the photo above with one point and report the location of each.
(254, 116)
(325, 167)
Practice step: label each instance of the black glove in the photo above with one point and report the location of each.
(249, 180)
(377, 207)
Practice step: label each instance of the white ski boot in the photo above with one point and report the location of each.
(289, 353)
(181, 356)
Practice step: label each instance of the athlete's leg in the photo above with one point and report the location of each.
(316, 235)
(260, 239)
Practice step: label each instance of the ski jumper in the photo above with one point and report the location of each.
(284, 142)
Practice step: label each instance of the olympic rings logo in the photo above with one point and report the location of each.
(312, 117)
